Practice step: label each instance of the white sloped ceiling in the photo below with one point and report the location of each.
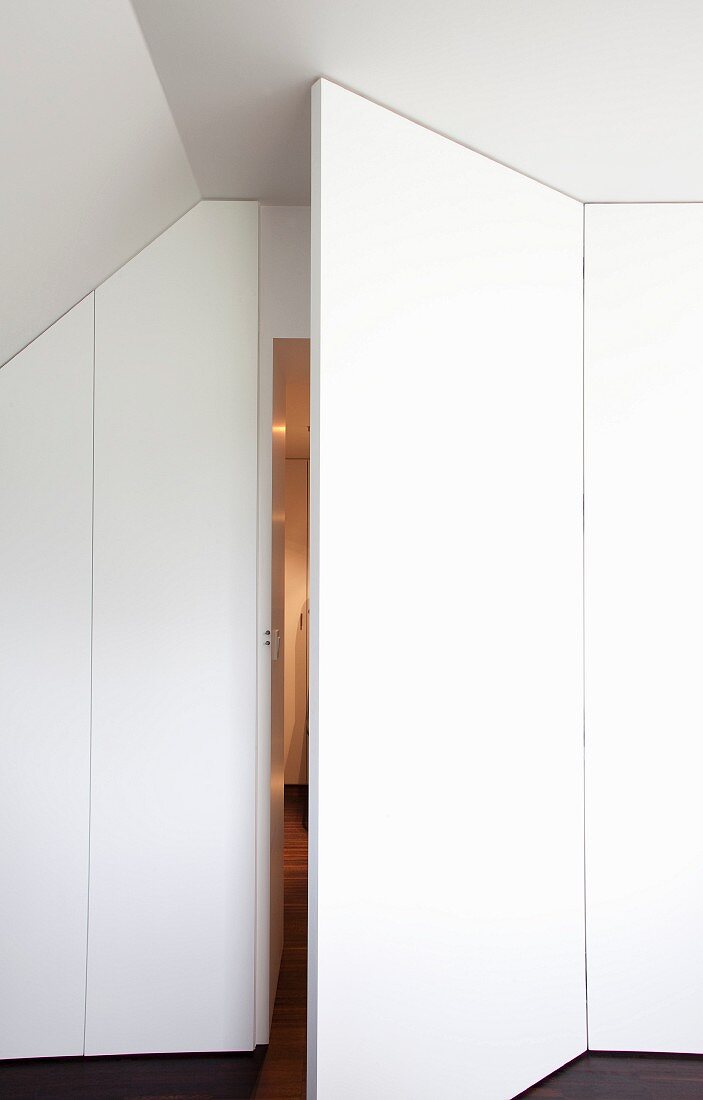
(601, 99)
(93, 167)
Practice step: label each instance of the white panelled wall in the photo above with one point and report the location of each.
(644, 640)
(447, 858)
(133, 503)
(173, 796)
(46, 473)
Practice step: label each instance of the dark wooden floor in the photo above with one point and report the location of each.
(624, 1077)
(278, 1073)
(273, 1073)
(283, 1072)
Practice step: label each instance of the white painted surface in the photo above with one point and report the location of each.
(172, 890)
(284, 312)
(644, 605)
(447, 859)
(46, 442)
(93, 167)
(598, 99)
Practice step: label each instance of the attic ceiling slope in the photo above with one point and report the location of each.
(93, 166)
(601, 100)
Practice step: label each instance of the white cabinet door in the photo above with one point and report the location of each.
(172, 885)
(644, 640)
(447, 846)
(46, 474)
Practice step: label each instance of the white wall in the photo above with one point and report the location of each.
(644, 607)
(284, 313)
(447, 926)
(93, 166)
(171, 946)
(46, 483)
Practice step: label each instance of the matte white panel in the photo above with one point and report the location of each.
(447, 619)
(46, 475)
(644, 607)
(172, 891)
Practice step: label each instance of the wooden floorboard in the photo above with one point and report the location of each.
(278, 1072)
(283, 1072)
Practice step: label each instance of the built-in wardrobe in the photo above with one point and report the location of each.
(128, 497)
(506, 601)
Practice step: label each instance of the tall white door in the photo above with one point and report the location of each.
(644, 639)
(46, 475)
(173, 809)
(447, 902)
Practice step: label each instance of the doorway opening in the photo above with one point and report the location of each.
(290, 601)
(290, 552)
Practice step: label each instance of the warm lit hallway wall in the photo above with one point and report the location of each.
(297, 406)
(296, 620)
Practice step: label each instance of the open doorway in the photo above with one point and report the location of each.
(285, 1060)
(290, 553)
